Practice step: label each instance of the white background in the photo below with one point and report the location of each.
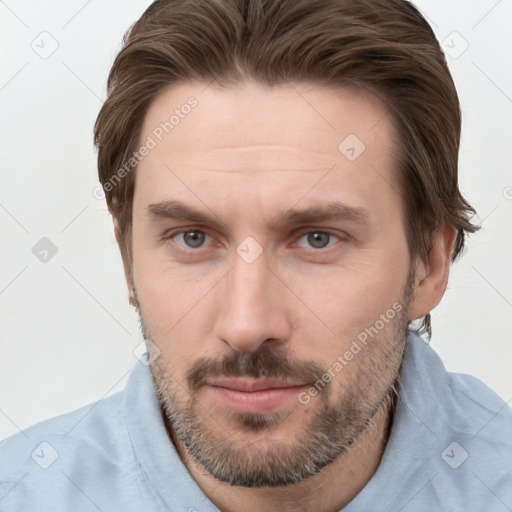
(67, 332)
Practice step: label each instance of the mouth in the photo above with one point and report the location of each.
(253, 396)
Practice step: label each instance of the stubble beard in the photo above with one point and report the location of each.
(267, 460)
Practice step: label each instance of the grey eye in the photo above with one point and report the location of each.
(318, 240)
(193, 239)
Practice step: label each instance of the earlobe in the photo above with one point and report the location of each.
(432, 276)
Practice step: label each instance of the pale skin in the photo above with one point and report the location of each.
(244, 156)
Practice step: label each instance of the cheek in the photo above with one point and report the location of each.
(178, 313)
(167, 291)
(171, 306)
(349, 299)
(180, 334)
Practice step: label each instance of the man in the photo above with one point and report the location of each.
(283, 181)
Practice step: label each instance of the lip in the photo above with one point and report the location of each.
(250, 385)
(253, 395)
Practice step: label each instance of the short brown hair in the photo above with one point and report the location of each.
(383, 46)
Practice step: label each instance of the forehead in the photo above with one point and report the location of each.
(267, 140)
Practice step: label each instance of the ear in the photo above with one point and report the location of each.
(126, 264)
(432, 276)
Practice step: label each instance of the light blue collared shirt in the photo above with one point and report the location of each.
(450, 449)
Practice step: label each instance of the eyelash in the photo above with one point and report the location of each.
(170, 236)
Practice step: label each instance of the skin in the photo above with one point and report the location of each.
(245, 156)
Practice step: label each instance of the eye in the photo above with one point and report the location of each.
(192, 239)
(317, 240)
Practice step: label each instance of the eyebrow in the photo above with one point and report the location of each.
(176, 210)
(335, 210)
(328, 212)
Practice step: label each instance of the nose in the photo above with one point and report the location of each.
(253, 307)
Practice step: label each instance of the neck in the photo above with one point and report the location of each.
(330, 490)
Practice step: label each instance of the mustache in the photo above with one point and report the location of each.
(264, 362)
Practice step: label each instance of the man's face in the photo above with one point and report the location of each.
(269, 255)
